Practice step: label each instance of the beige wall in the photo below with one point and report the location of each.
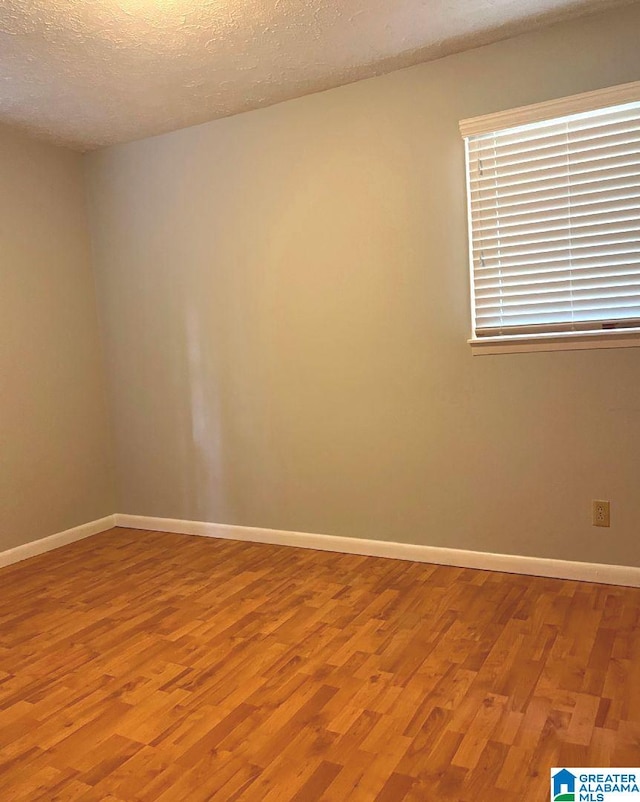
(55, 472)
(285, 296)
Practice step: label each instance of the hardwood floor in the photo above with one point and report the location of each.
(150, 666)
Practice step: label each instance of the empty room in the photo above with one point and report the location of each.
(319, 400)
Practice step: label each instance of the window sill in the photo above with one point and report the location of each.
(569, 341)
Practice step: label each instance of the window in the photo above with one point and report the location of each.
(554, 223)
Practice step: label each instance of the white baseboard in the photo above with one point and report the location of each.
(55, 541)
(513, 564)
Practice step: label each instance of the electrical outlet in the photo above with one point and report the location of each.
(601, 515)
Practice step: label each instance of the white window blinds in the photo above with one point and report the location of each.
(554, 218)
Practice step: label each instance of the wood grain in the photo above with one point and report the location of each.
(149, 666)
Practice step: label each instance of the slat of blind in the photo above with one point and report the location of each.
(497, 284)
(496, 162)
(489, 286)
(563, 175)
(627, 325)
(558, 299)
(489, 180)
(556, 245)
(560, 311)
(538, 132)
(551, 266)
(542, 202)
(539, 150)
(624, 177)
(565, 258)
(534, 146)
(506, 238)
(579, 298)
(493, 295)
(562, 302)
(556, 218)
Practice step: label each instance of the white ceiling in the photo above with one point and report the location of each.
(89, 73)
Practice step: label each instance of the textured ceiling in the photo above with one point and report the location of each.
(89, 73)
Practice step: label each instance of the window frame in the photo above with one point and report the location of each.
(524, 115)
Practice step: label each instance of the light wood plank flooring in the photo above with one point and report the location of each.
(149, 666)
